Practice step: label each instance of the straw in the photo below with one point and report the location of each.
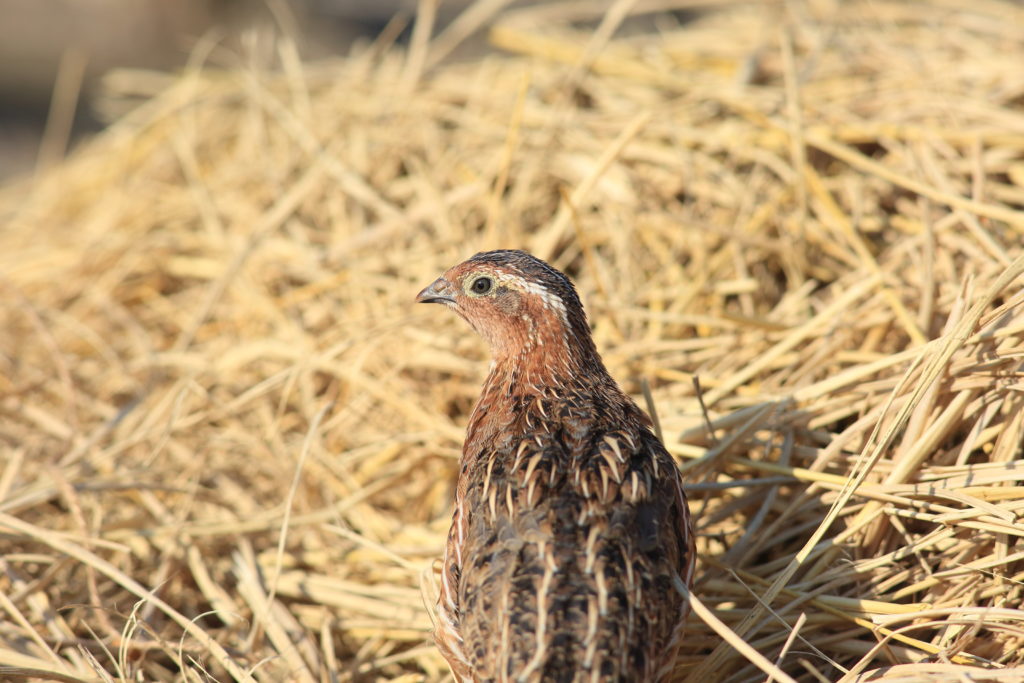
(229, 438)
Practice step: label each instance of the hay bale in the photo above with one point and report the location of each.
(230, 438)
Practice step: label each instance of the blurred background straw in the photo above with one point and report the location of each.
(228, 438)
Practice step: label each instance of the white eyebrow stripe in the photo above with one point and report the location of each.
(550, 301)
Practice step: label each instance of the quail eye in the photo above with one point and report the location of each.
(481, 285)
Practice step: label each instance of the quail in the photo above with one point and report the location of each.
(571, 533)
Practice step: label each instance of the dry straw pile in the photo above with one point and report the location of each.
(229, 438)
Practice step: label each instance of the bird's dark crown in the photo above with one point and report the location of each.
(533, 269)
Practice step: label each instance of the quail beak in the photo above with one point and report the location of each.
(438, 292)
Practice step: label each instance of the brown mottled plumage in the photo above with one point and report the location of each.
(571, 530)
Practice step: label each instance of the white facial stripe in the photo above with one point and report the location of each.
(550, 301)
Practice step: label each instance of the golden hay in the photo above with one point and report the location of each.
(230, 437)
